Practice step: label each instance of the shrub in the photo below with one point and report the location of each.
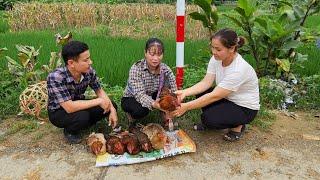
(10, 89)
(308, 93)
(271, 93)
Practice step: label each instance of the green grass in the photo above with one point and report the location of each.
(112, 57)
(264, 119)
(4, 26)
(313, 21)
(312, 65)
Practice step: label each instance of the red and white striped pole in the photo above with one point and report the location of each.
(180, 42)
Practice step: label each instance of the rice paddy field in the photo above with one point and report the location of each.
(116, 34)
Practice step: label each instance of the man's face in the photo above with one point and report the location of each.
(83, 63)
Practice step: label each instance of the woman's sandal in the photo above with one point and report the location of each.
(234, 136)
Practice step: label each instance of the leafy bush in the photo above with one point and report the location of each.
(273, 35)
(10, 89)
(208, 16)
(302, 93)
(271, 93)
(6, 4)
(309, 90)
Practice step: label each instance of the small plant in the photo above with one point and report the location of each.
(24, 69)
(208, 16)
(264, 119)
(308, 91)
(272, 93)
(10, 89)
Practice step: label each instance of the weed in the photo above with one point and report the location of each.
(264, 119)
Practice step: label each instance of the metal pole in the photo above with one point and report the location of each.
(180, 42)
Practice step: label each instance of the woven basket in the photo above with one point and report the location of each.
(34, 99)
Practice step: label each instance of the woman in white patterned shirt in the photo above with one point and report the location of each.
(146, 78)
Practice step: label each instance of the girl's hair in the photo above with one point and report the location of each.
(229, 38)
(154, 41)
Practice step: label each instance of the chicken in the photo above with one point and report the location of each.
(114, 145)
(97, 143)
(143, 139)
(131, 143)
(156, 134)
(168, 100)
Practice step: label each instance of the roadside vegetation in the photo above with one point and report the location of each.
(116, 33)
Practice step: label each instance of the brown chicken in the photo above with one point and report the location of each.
(114, 145)
(156, 134)
(97, 143)
(143, 139)
(168, 100)
(131, 143)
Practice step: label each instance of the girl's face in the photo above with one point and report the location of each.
(154, 56)
(220, 52)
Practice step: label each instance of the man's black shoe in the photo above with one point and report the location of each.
(72, 138)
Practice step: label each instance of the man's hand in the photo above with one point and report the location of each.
(113, 117)
(105, 104)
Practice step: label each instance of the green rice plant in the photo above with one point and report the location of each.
(4, 26)
(112, 57)
(312, 65)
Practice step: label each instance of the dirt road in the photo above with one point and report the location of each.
(279, 153)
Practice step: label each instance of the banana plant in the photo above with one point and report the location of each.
(245, 17)
(54, 62)
(24, 68)
(208, 15)
(271, 35)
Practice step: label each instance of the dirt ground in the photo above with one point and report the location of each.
(285, 151)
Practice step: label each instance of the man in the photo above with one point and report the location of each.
(67, 107)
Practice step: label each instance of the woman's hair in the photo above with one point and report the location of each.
(72, 50)
(152, 42)
(229, 38)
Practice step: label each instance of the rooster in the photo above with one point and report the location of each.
(114, 145)
(131, 143)
(156, 134)
(97, 143)
(143, 139)
(168, 100)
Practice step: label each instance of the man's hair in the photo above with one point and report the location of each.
(72, 50)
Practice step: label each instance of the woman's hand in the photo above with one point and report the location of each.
(113, 117)
(180, 110)
(156, 104)
(181, 95)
